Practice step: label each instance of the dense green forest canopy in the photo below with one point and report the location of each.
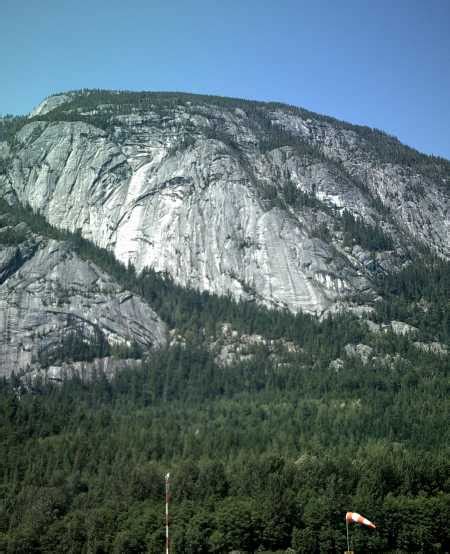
(261, 458)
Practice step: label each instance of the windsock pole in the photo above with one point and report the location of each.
(348, 541)
(167, 512)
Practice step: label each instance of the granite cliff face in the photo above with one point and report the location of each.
(49, 295)
(263, 201)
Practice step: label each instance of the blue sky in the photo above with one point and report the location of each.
(383, 63)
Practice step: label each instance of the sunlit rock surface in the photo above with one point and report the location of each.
(193, 189)
(48, 293)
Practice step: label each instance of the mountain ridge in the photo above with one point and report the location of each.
(231, 99)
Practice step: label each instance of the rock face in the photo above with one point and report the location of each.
(396, 327)
(50, 104)
(230, 197)
(85, 371)
(230, 347)
(433, 347)
(361, 351)
(49, 294)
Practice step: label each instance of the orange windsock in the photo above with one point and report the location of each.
(353, 517)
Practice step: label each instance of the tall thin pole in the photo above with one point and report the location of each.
(348, 542)
(167, 512)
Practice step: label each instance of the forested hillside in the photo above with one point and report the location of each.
(266, 454)
(261, 458)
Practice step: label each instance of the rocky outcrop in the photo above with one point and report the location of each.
(417, 203)
(73, 174)
(50, 104)
(83, 370)
(361, 351)
(48, 294)
(365, 355)
(230, 347)
(396, 327)
(432, 347)
(402, 328)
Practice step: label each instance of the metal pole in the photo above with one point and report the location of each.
(167, 512)
(348, 542)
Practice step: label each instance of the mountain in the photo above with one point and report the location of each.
(250, 296)
(262, 201)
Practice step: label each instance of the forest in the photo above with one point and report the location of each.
(262, 458)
